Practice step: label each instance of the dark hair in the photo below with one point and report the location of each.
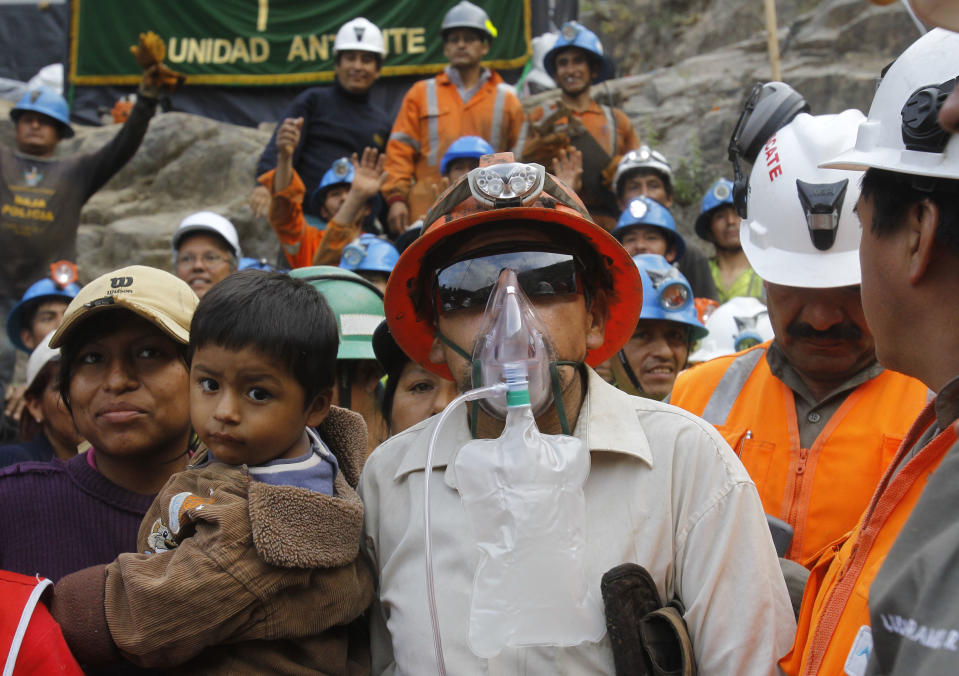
(636, 171)
(378, 57)
(29, 427)
(88, 331)
(892, 195)
(284, 318)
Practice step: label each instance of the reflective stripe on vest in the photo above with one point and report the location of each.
(25, 616)
(405, 138)
(494, 137)
(611, 125)
(727, 390)
(433, 122)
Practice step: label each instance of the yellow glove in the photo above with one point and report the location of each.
(157, 77)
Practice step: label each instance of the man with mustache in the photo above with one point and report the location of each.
(812, 415)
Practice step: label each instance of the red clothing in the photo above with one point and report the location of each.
(42, 649)
(300, 240)
(431, 117)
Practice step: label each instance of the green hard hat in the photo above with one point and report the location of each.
(357, 304)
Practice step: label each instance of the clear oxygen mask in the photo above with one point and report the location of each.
(511, 334)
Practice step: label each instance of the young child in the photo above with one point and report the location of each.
(248, 559)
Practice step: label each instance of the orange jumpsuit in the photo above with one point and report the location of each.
(834, 619)
(300, 240)
(431, 117)
(820, 491)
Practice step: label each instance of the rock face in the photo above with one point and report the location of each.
(692, 63)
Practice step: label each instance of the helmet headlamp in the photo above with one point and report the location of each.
(822, 204)
(920, 118)
(63, 273)
(674, 295)
(507, 185)
(354, 253)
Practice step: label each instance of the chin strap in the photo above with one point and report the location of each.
(478, 382)
(628, 370)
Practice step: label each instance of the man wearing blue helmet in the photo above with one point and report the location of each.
(41, 195)
(601, 133)
(39, 312)
(343, 197)
(647, 365)
(718, 223)
(647, 227)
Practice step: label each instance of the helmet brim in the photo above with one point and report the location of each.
(415, 333)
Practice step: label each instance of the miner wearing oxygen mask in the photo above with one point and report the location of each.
(547, 522)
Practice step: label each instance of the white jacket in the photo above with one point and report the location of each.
(664, 491)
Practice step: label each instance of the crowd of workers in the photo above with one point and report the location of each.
(239, 469)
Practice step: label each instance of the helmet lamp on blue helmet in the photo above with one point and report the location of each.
(507, 185)
(644, 210)
(353, 254)
(369, 253)
(822, 204)
(575, 34)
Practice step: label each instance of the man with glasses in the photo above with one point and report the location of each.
(205, 250)
(663, 490)
(466, 99)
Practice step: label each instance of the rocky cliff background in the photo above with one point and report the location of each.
(688, 66)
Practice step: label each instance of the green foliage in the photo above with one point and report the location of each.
(691, 176)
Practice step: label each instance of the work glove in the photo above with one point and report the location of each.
(157, 77)
(647, 637)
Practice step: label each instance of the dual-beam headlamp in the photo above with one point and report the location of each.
(507, 185)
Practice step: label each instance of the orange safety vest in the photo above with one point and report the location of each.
(820, 491)
(835, 610)
(431, 117)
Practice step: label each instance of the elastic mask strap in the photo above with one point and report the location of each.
(558, 393)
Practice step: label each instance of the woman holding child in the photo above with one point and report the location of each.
(125, 378)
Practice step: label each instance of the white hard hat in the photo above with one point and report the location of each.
(642, 158)
(735, 325)
(800, 229)
(207, 221)
(905, 107)
(42, 354)
(361, 35)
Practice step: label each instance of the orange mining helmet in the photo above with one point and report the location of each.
(501, 190)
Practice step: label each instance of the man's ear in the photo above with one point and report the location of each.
(319, 408)
(26, 337)
(671, 252)
(596, 315)
(923, 221)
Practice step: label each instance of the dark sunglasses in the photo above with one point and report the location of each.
(468, 283)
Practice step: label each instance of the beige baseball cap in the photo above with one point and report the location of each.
(155, 295)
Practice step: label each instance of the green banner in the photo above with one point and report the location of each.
(272, 42)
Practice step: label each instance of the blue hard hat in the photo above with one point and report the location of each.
(719, 193)
(247, 263)
(465, 146)
(47, 102)
(369, 253)
(644, 210)
(667, 295)
(45, 289)
(341, 172)
(575, 34)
